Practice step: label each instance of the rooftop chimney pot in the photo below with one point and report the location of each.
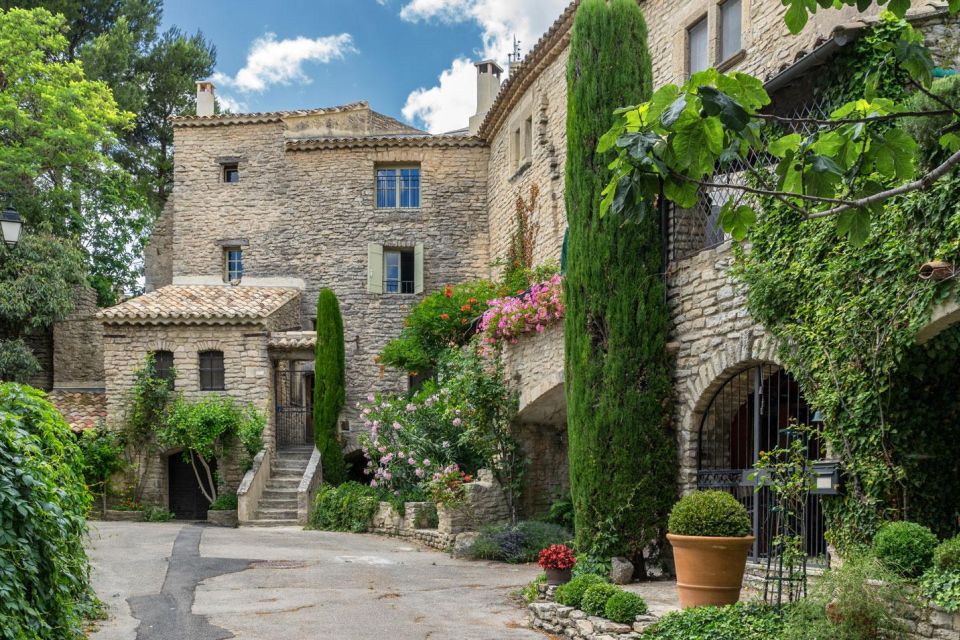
(205, 98)
(488, 86)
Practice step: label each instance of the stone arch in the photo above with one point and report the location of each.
(162, 344)
(208, 345)
(942, 316)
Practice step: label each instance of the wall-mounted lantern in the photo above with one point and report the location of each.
(826, 478)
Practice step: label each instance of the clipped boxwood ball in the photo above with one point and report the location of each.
(595, 599)
(624, 607)
(709, 513)
(946, 557)
(905, 547)
(571, 594)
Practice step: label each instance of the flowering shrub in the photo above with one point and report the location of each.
(556, 556)
(532, 310)
(446, 486)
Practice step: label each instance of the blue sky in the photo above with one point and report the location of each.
(410, 59)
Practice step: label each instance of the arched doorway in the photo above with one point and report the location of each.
(754, 411)
(187, 501)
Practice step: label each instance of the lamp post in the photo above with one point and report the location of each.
(10, 222)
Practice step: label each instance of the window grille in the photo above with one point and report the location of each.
(398, 188)
(211, 371)
(398, 271)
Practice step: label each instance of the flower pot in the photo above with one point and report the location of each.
(709, 570)
(558, 576)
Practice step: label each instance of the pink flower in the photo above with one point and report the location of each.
(411, 461)
(396, 425)
(426, 462)
(373, 483)
(411, 407)
(371, 398)
(457, 422)
(419, 472)
(382, 449)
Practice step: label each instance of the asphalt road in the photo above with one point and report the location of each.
(188, 582)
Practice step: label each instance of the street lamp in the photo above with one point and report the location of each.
(10, 223)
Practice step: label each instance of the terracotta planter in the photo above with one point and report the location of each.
(709, 570)
(558, 576)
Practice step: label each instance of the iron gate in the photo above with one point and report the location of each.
(293, 395)
(753, 412)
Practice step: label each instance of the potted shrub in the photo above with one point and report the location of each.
(223, 511)
(557, 561)
(710, 534)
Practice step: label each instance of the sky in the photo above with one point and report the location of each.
(410, 59)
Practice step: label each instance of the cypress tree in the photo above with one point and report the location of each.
(618, 386)
(329, 386)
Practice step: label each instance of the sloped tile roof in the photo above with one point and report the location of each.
(259, 117)
(389, 140)
(201, 304)
(82, 410)
(292, 340)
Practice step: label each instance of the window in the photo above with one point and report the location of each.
(394, 270)
(231, 172)
(398, 271)
(232, 264)
(528, 139)
(163, 366)
(211, 371)
(398, 188)
(697, 36)
(730, 42)
(517, 146)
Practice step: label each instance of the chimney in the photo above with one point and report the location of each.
(205, 100)
(488, 86)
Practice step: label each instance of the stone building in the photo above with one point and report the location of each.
(268, 208)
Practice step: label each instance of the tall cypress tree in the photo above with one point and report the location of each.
(622, 454)
(329, 386)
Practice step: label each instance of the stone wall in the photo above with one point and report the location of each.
(567, 622)
(931, 623)
(388, 522)
(78, 345)
(158, 252)
(546, 102)
(309, 216)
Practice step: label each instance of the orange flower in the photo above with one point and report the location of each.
(465, 307)
(472, 301)
(448, 291)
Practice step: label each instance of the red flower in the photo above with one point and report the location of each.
(465, 307)
(444, 316)
(556, 556)
(472, 301)
(448, 291)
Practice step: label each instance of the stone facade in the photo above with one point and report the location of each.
(78, 346)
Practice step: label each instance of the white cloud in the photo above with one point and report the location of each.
(231, 104)
(271, 61)
(445, 107)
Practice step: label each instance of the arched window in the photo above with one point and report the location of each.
(211, 371)
(163, 366)
(757, 410)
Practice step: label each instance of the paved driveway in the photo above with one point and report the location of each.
(189, 582)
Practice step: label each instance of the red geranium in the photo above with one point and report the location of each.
(557, 556)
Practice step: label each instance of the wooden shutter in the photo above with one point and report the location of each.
(418, 268)
(374, 268)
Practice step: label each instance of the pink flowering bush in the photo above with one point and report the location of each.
(532, 311)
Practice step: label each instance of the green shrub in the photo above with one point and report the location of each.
(532, 591)
(329, 386)
(735, 622)
(927, 130)
(102, 451)
(942, 588)
(624, 607)
(709, 513)
(153, 513)
(946, 557)
(561, 513)
(44, 575)
(348, 507)
(225, 502)
(571, 594)
(517, 543)
(855, 612)
(905, 547)
(594, 601)
(587, 564)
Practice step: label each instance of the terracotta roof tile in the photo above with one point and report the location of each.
(259, 117)
(292, 340)
(82, 410)
(392, 140)
(201, 304)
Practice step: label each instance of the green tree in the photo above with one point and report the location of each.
(329, 387)
(622, 459)
(152, 76)
(799, 11)
(102, 453)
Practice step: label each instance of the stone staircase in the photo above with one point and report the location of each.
(278, 505)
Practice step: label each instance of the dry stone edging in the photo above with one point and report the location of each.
(552, 617)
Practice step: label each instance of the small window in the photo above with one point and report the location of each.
(233, 264)
(517, 147)
(528, 139)
(398, 188)
(211, 371)
(344, 425)
(730, 38)
(163, 366)
(231, 172)
(697, 36)
(398, 271)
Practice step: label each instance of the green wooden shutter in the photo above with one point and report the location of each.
(374, 268)
(418, 268)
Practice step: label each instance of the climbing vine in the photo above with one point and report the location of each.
(847, 317)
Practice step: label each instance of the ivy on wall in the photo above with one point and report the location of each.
(847, 319)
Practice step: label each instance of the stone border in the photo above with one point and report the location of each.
(558, 619)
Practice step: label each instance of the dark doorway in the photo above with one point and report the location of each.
(187, 502)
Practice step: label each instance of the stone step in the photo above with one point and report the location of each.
(279, 468)
(276, 514)
(289, 481)
(279, 503)
(273, 494)
(272, 523)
